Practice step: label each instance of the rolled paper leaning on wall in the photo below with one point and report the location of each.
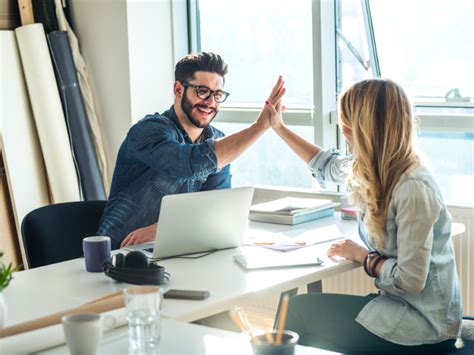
(87, 96)
(44, 12)
(76, 117)
(48, 113)
(20, 146)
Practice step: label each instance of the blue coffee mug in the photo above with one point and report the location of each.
(96, 252)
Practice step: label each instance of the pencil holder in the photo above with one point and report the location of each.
(261, 345)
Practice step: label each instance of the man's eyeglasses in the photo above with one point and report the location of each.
(203, 92)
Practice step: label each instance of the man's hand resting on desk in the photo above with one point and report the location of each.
(348, 249)
(140, 236)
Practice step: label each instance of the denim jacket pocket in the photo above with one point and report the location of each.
(167, 185)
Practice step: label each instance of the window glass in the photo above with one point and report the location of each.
(261, 40)
(426, 45)
(351, 44)
(451, 156)
(269, 161)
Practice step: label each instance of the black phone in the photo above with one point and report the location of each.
(186, 294)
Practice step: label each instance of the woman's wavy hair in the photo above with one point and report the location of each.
(379, 114)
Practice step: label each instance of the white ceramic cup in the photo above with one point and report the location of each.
(83, 331)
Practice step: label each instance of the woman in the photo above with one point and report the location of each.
(404, 225)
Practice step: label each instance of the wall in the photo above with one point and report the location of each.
(128, 51)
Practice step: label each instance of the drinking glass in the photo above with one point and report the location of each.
(143, 312)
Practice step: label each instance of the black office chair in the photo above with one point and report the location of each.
(54, 233)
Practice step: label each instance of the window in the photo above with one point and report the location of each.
(274, 38)
(322, 47)
(426, 46)
(269, 161)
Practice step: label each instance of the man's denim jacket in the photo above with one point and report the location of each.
(156, 159)
(419, 299)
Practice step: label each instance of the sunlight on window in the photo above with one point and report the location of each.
(261, 40)
(454, 176)
(426, 45)
(269, 161)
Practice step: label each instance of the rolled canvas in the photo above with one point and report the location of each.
(48, 113)
(86, 91)
(25, 170)
(76, 116)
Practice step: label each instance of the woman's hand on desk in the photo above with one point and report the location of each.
(140, 236)
(349, 250)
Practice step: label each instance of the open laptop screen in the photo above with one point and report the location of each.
(201, 221)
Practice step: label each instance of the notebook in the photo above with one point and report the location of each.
(200, 222)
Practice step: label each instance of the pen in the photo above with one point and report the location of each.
(282, 320)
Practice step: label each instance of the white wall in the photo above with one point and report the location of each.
(127, 45)
(151, 56)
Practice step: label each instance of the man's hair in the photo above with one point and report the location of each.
(203, 61)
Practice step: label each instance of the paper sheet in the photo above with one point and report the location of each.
(293, 239)
(48, 113)
(19, 142)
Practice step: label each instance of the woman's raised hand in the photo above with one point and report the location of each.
(274, 99)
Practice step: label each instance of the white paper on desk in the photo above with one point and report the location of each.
(295, 238)
(282, 241)
(47, 337)
(321, 235)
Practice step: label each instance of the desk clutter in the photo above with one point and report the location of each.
(140, 306)
(107, 303)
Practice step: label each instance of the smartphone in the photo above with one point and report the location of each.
(186, 294)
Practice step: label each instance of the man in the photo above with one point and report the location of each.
(177, 151)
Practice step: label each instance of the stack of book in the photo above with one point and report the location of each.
(292, 210)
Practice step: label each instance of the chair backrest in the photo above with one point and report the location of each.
(54, 233)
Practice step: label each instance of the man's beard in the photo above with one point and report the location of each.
(187, 108)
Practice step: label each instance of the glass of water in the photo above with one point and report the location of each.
(143, 309)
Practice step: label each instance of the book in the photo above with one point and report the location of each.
(292, 210)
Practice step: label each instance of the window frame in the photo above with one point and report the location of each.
(323, 117)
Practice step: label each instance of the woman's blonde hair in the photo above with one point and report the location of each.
(379, 114)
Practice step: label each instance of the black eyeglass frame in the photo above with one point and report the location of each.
(196, 88)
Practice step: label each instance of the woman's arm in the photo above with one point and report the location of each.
(325, 164)
(416, 211)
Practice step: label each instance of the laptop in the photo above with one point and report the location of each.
(199, 222)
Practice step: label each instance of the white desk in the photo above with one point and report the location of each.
(199, 340)
(63, 285)
(45, 290)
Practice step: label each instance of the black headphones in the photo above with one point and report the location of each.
(134, 268)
